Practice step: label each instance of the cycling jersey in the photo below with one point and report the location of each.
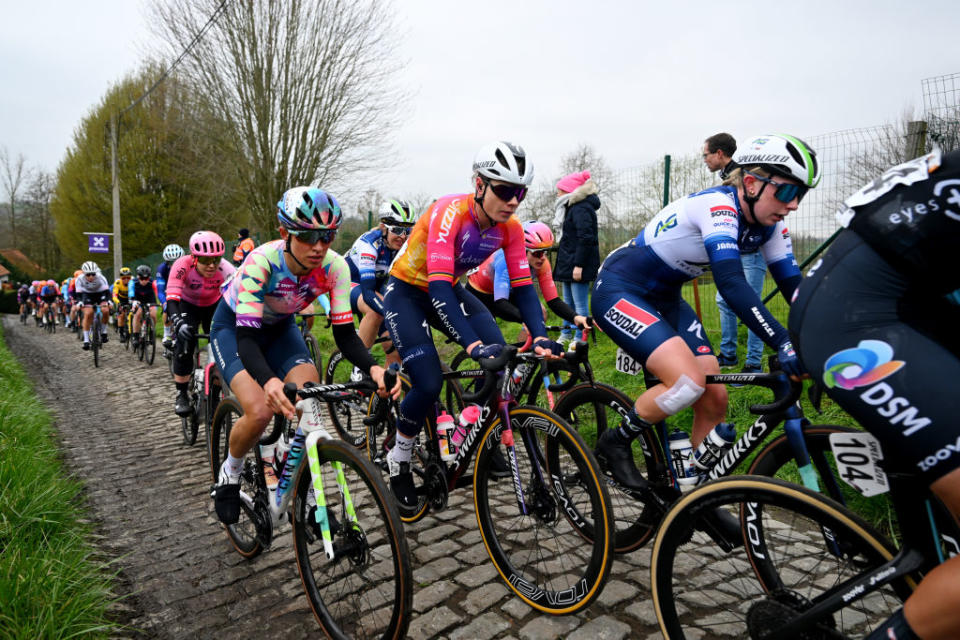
(163, 273)
(98, 284)
(23, 294)
(49, 290)
(700, 230)
(369, 260)
(145, 293)
(188, 285)
(491, 277)
(120, 291)
(264, 291)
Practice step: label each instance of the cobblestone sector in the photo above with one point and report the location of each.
(180, 578)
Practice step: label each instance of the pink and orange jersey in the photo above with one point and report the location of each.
(491, 277)
(188, 285)
(447, 242)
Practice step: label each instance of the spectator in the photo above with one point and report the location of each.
(578, 254)
(243, 246)
(717, 152)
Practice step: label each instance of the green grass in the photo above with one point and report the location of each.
(52, 584)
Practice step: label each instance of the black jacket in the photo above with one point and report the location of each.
(579, 243)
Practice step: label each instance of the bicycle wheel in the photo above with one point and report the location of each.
(379, 440)
(366, 590)
(243, 534)
(701, 591)
(313, 348)
(556, 557)
(148, 345)
(95, 341)
(347, 417)
(593, 409)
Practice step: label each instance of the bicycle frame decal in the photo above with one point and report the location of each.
(313, 457)
(742, 447)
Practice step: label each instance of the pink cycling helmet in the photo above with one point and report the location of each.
(52, 283)
(206, 243)
(537, 235)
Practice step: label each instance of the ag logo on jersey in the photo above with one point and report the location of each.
(664, 225)
(629, 318)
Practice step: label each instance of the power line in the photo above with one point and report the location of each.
(180, 58)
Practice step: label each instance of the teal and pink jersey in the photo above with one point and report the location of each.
(188, 285)
(264, 291)
(447, 242)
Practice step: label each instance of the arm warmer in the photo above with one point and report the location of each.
(368, 289)
(505, 309)
(787, 276)
(352, 346)
(251, 356)
(732, 285)
(562, 309)
(173, 308)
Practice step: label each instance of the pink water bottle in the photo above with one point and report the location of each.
(444, 431)
(469, 418)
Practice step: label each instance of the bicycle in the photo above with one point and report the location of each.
(145, 344)
(50, 320)
(799, 565)
(95, 335)
(802, 451)
(550, 540)
(199, 390)
(347, 417)
(348, 538)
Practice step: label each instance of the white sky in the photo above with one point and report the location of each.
(634, 79)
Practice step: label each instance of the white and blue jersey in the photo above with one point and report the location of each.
(369, 260)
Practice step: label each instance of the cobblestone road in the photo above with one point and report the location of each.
(149, 495)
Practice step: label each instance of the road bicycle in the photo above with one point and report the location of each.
(50, 320)
(204, 392)
(95, 333)
(798, 564)
(550, 540)
(348, 538)
(802, 453)
(145, 342)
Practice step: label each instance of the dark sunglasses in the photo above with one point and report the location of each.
(508, 192)
(208, 260)
(313, 236)
(785, 191)
(539, 253)
(143, 277)
(400, 231)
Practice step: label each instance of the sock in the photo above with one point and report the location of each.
(234, 465)
(268, 452)
(631, 426)
(402, 448)
(895, 628)
(86, 336)
(166, 332)
(182, 386)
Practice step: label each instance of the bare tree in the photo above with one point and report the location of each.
(306, 86)
(14, 172)
(41, 224)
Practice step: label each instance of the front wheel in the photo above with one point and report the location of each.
(148, 344)
(95, 341)
(347, 416)
(701, 590)
(366, 589)
(550, 540)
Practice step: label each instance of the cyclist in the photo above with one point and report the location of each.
(23, 297)
(255, 340)
(142, 293)
(121, 301)
(49, 294)
(637, 302)
(193, 292)
(32, 298)
(93, 289)
(490, 282)
(171, 253)
(458, 233)
(369, 260)
(65, 300)
(871, 321)
(75, 301)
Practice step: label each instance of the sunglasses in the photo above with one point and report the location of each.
(143, 277)
(208, 260)
(508, 192)
(400, 231)
(539, 253)
(313, 236)
(785, 191)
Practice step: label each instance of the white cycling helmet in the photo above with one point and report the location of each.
(504, 161)
(781, 154)
(397, 212)
(171, 252)
(89, 267)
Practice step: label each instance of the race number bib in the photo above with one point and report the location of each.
(857, 455)
(626, 363)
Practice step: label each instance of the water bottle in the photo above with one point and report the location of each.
(681, 451)
(469, 417)
(293, 457)
(714, 446)
(444, 430)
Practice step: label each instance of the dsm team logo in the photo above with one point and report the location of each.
(629, 318)
(869, 362)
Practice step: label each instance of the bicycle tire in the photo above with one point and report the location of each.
(150, 345)
(701, 591)
(368, 591)
(379, 440)
(243, 534)
(346, 417)
(592, 409)
(313, 348)
(95, 341)
(556, 563)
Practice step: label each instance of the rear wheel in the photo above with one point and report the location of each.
(366, 589)
(148, 345)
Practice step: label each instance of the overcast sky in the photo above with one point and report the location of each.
(633, 79)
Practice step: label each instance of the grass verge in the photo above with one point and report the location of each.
(52, 585)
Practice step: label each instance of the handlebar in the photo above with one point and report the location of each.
(333, 392)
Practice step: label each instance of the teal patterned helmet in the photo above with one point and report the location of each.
(305, 208)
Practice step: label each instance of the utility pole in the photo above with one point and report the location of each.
(117, 245)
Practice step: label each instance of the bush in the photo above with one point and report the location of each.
(8, 302)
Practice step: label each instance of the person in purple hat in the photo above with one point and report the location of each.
(578, 253)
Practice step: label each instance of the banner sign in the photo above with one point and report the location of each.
(99, 243)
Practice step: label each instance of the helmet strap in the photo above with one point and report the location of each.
(479, 201)
(751, 200)
(287, 250)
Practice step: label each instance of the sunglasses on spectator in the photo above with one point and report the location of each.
(508, 192)
(400, 231)
(313, 236)
(208, 260)
(785, 191)
(539, 253)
